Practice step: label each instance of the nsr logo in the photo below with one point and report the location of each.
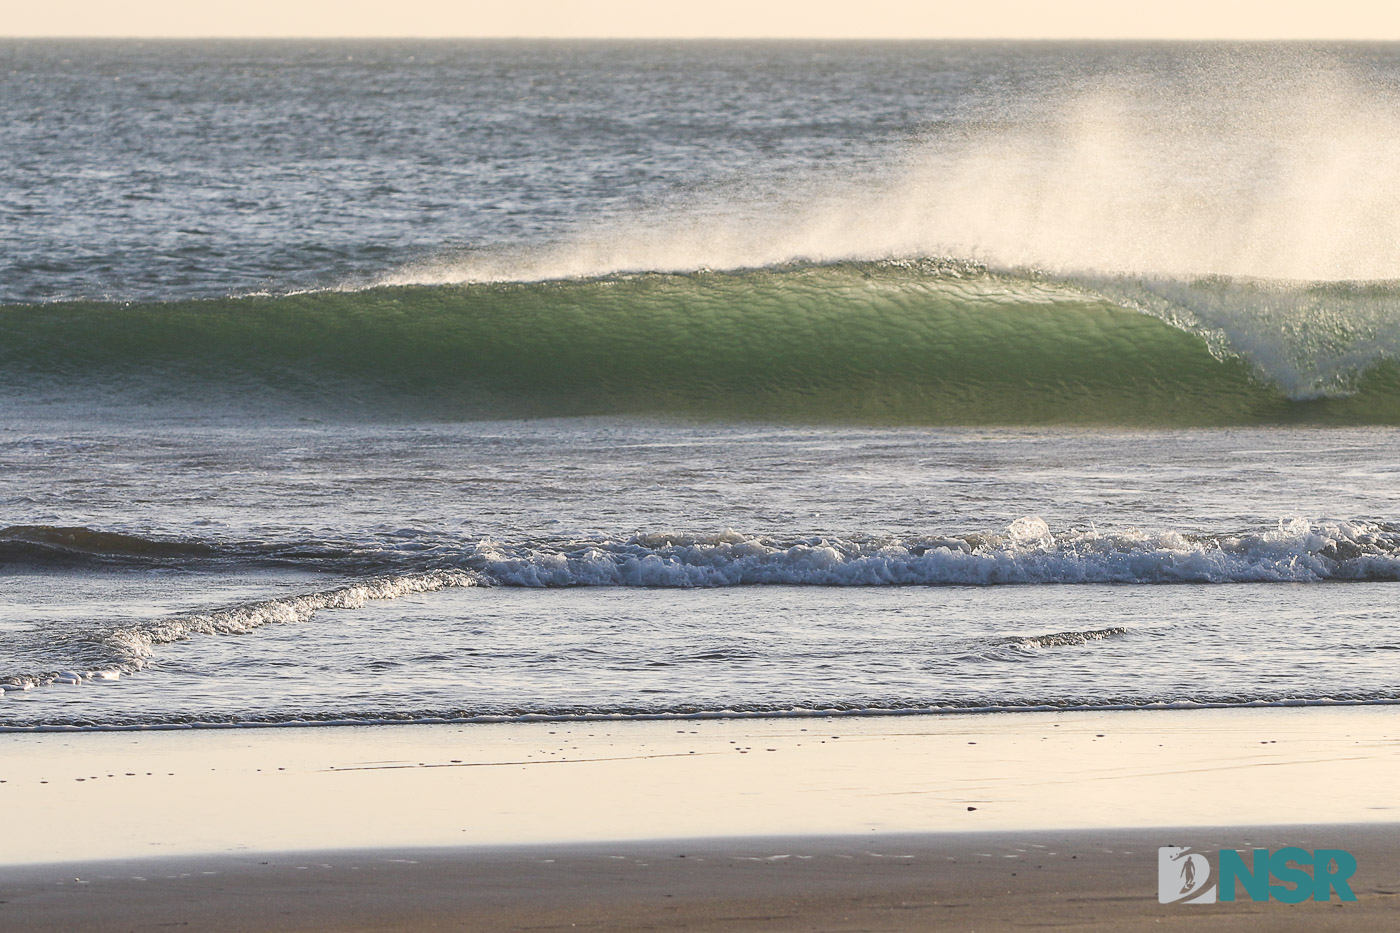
(1183, 875)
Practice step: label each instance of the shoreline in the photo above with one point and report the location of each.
(572, 719)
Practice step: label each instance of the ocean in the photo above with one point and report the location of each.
(424, 381)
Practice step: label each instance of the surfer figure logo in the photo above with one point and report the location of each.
(1182, 874)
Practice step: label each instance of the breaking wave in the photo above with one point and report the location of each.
(1027, 552)
(930, 342)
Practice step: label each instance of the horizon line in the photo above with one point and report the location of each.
(715, 38)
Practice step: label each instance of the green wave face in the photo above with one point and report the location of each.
(878, 343)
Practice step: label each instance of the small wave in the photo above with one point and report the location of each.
(77, 546)
(128, 649)
(54, 544)
(1062, 639)
(1026, 552)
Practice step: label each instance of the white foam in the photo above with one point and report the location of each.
(1027, 552)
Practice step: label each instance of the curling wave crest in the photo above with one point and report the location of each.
(916, 342)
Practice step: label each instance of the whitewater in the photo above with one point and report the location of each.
(468, 381)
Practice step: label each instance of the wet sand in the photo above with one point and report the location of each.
(1049, 880)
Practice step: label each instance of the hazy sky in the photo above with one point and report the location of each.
(1283, 19)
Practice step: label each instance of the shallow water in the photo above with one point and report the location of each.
(582, 567)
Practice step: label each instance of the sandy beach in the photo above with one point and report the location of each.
(928, 822)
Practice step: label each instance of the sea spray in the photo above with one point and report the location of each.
(1246, 162)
